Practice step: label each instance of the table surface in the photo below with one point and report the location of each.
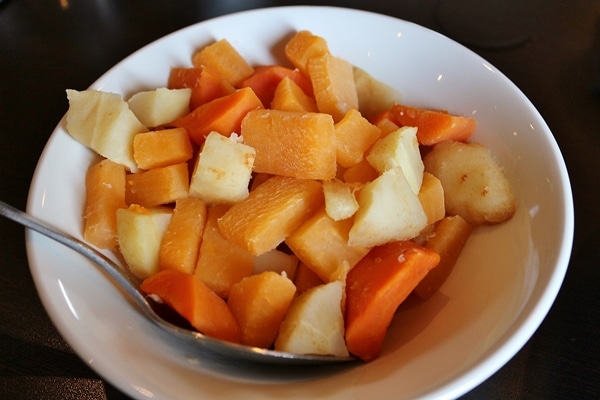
(47, 46)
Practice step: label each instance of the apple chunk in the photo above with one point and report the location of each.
(314, 323)
(160, 106)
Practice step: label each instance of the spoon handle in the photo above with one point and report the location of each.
(124, 279)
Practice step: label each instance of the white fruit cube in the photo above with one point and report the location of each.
(399, 149)
(276, 261)
(340, 199)
(388, 211)
(160, 106)
(223, 170)
(140, 231)
(103, 122)
(314, 323)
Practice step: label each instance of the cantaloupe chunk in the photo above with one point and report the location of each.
(225, 60)
(322, 244)
(361, 172)
(161, 148)
(293, 144)
(105, 194)
(431, 197)
(266, 78)
(303, 46)
(447, 240)
(353, 135)
(259, 303)
(270, 213)
(305, 278)
(194, 301)
(333, 85)
(157, 186)
(289, 96)
(221, 264)
(181, 242)
(205, 83)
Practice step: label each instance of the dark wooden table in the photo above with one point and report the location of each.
(47, 46)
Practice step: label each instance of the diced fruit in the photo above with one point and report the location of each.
(314, 323)
(270, 213)
(340, 199)
(306, 278)
(388, 211)
(294, 144)
(162, 148)
(322, 244)
(333, 85)
(375, 288)
(103, 122)
(362, 172)
(289, 96)
(447, 240)
(431, 197)
(276, 261)
(302, 47)
(181, 242)
(157, 186)
(206, 84)
(474, 184)
(373, 96)
(354, 134)
(259, 303)
(265, 79)
(399, 149)
(160, 106)
(223, 115)
(140, 232)
(105, 194)
(434, 126)
(194, 301)
(221, 264)
(223, 170)
(225, 60)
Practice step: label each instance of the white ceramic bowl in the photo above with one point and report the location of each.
(500, 291)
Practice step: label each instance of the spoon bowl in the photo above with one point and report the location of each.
(130, 286)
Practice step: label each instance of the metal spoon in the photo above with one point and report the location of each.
(130, 285)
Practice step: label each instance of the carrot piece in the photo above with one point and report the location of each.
(289, 96)
(205, 83)
(265, 79)
(157, 186)
(302, 47)
(223, 115)
(375, 288)
(259, 303)
(294, 144)
(221, 264)
(448, 240)
(181, 242)
(362, 172)
(353, 135)
(105, 194)
(225, 60)
(305, 278)
(431, 196)
(162, 148)
(434, 126)
(194, 301)
(271, 212)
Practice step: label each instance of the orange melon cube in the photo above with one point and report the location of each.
(333, 85)
(299, 145)
(157, 186)
(302, 47)
(266, 78)
(259, 303)
(362, 172)
(105, 194)
(161, 148)
(353, 135)
(322, 244)
(206, 84)
(289, 96)
(181, 242)
(271, 212)
(225, 60)
(448, 240)
(431, 196)
(305, 278)
(221, 264)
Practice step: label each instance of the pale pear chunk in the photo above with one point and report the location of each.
(314, 323)
(160, 106)
(103, 122)
(388, 211)
(340, 199)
